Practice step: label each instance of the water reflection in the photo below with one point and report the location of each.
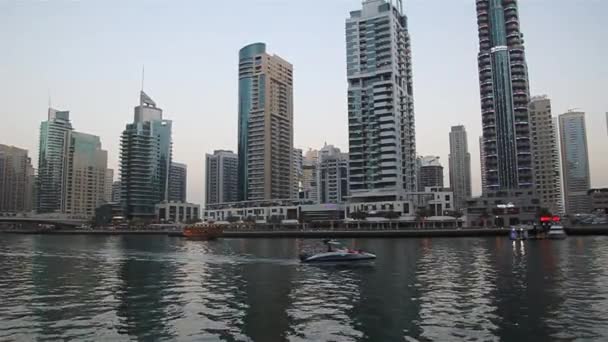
(156, 288)
(456, 282)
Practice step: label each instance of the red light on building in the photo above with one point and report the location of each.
(546, 219)
(556, 218)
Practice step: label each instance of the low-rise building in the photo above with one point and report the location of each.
(599, 200)
(258, 211)
(503, 209)
(177, 212)
(433, 201)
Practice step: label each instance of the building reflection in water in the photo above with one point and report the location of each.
(147, 274)
(581, 314)
(456, 285)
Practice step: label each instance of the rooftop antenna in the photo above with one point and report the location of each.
(49, 93)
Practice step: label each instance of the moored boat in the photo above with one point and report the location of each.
(556, 232)
(202, 231)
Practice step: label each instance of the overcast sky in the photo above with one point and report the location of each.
(89, 54)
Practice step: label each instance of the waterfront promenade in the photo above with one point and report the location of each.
(283, 232)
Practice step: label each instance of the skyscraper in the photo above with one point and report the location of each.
(482, 158)
(109, 182)
(221, 177)
(178, 182)
(16, 174)
(85, 174)
(503, 80)
(51, 160)
(265, 128)
(297, 173)
(116, 188)
(430, 172)
(575, 162)
(145, 160)
(545, 154)
(310, 192)
(460, 166)
(382, 146)
(332, 175)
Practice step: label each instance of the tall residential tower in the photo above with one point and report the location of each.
(382, 145)
(16, 180)
(145, 160)
(460, 166)
(85, 175)
(51, 160)
(430, 172)
(178, 182)
(503, 81)
(575, 162)
(265, 125)
(221, 171)
(545, 154)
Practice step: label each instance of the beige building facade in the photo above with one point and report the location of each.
(16, 180)
(265, 125)
(85, 176)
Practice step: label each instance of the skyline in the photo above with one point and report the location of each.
(319, 79)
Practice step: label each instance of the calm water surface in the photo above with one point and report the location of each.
(156, 288)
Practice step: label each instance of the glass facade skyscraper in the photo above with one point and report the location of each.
(51, 160)
(145, 160)
(265, 125)
(503, 81)
(575, 162)
(178, 182)
(382, 145)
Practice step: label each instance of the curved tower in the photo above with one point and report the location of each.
(265, 150)
(503, 81)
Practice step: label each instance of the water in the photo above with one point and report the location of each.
(155, 288)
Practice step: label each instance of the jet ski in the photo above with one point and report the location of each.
(337, 253)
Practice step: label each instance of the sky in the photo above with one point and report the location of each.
(87, 57)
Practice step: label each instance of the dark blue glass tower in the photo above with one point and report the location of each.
(503, 81)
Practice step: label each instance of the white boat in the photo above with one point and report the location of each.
(556, 232)
(339, 254)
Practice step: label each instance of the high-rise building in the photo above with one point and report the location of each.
(382, 144)
(297, 173)
(145, 160)
(116, 188)
(85, 175)
(16, 180)
(265, 128)
(309, 176)
(482, 158)
(221, 177)
(178, 182)
(108, 183)
(575, 162)
(430, 172)
(51, 160)
(503, 81)
(545, 154)
(460, 166)
(332, 175)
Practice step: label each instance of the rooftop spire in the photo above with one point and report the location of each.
(144, 99)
